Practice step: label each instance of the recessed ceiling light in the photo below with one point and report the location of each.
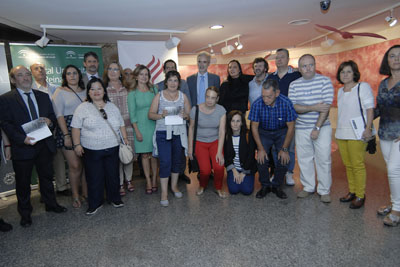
(298, 22)
(216, 27)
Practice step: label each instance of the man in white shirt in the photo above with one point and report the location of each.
(312, 96)
(39, 73)
(260, 68)
(91, 64)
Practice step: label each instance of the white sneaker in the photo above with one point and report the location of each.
(289, 178)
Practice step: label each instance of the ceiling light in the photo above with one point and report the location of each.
(172, 42)
(227, 49)
(216, 27)
(42, 42)
(391, 19)
(327, 42)
(238, 44)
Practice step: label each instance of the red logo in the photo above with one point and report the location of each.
(155, 68)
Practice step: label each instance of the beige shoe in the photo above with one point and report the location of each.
(326, 198)
(391, 220)
(304, 194)
(200, 191)
(221, 193)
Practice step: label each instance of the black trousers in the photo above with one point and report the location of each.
(102, 170)
(23, 173)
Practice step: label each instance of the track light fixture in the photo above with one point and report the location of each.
(238, 44)
(211, 50)
(227, 49)
(327, 42)
(391, 19)
(42, 42)
(172, 42)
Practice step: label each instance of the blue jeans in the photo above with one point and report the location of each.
(246, 187)
(102, 169)
(169, 154)
(272, 139)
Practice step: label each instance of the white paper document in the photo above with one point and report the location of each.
(37, 129)
(173, 120)
(358, 127)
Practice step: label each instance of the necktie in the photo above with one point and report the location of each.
(202, 91)
(32, 108)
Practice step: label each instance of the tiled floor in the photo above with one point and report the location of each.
(208, 231)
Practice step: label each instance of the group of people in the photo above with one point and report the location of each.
(204, 120)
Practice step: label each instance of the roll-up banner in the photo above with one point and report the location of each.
(149, 53)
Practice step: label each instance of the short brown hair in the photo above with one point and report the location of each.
(354, 68)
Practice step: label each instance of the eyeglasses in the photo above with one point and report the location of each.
(113, 69)
(103, 112)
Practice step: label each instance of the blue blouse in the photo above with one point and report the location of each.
(388, 108)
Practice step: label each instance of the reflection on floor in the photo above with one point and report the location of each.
(208, 231)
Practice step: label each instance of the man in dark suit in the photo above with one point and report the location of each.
(18, 107)
(199, 82)
(91, 64)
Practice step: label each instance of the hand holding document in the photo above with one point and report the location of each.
(37, 129)
(358, 127)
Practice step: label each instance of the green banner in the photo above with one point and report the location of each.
(54, 57)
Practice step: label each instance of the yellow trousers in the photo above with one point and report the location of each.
(353, 157)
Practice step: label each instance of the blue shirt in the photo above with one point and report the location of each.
(284, 83)
(273, 118)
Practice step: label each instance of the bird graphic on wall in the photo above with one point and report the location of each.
(350, 35)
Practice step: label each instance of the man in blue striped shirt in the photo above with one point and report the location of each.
(272, 119)
(312, 96)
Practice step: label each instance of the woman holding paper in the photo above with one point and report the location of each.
(353, 97)
(388, 108)
(170, 109)
(65, 100)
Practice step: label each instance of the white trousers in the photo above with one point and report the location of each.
(315, 151)
(391, 154)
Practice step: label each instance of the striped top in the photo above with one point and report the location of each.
(303, 92)
(236, 159)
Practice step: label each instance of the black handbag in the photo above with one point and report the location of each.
(371, 147)
(193, 163)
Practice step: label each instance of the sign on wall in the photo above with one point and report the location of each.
(4, 80)
(54, 57)
(148, 53)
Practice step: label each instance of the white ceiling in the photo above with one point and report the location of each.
(263, 24)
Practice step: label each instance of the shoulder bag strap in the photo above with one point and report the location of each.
(108, 123)
(75, 93)
(196, 121)
(359, 102)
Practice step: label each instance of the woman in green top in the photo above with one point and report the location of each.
(140, 97)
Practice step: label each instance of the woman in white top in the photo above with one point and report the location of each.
(352, 149)
(65, 100)
(170, 138)
(96, 128)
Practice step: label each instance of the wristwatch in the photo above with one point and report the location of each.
(316, 128)
(284, 149)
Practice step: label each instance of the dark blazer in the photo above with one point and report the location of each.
(213, 80)
(247, 148)
(14, 113)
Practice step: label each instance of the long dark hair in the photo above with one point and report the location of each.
(64, 77)
(89, 85)
(385, 69)
(240, 69)
(243, 128)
